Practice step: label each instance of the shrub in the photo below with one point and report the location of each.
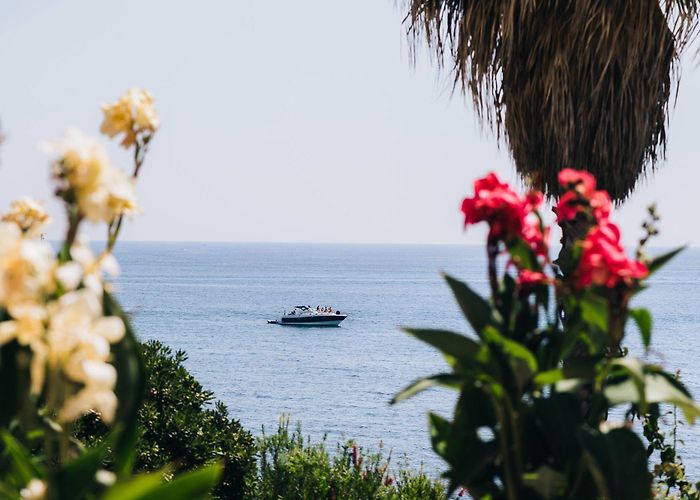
(294, 468)
(178, 425)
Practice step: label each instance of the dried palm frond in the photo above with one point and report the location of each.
(567, 83)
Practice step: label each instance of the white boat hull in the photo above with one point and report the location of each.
(312, 320)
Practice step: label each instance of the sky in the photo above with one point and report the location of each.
(281, 122)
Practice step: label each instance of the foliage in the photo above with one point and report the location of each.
(177, 425)
(66, 347)
(578, 83)
(537, 383)
(294, 468)
(670, 480)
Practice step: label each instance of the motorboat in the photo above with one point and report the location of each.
(308, 316)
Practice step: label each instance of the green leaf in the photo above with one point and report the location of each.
(447, 342)
(549, 377)
(14, 375)
(442, 379)
(440, 434)
(594, 311)
(617, 461)
(21, 467)
(522, 361)
(642, 317)
(130, 390)
(189, 485)
(660, 261)
(478, 311)
(657, 389)
(546, 481)
(76, 477)
(521, 254)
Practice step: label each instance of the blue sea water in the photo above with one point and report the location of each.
(213, 300)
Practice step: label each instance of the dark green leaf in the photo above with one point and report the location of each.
(442, 379)
(130, 389)
(447, 342)
(76, 477)
(642, 317)
(21, 467)
(618, 463)
(660, 261)
(478, 311)
(594, 311)
(546, 481)
(440, 434)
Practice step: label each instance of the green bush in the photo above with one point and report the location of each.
(178, 425)
(294, 468)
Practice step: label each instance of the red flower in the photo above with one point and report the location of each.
(601, 204)
(604, 261)
(531, 278)
(581, 194)
(496, 203)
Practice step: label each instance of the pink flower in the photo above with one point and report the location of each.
(604, 262)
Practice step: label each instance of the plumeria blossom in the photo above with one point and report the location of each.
(132, 115)
(28, 214)
(83, 172)
(68, 334)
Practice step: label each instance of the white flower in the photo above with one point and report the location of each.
(35, 490)
(82, 169)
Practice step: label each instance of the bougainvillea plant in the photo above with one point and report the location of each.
(547, 363)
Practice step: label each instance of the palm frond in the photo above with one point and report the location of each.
(566, 83)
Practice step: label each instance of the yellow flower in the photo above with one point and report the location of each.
(132, 115)
(26, 268)
(29, 215)
(85, 175)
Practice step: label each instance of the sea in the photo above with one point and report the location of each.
(213, 301)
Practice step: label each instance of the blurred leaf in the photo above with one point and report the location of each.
(642, 317)
(522, 362)
(549, 377)
(440, 430)
(190, 485)
(594, 310)
(14, 387)
(546, 481)
(447, 342)
(663, 259)
(130, 389)
(657, 389)
(521, 254)
(442, 379)
(478, 311)
(76, 477)
(618, 463)
(21, 467)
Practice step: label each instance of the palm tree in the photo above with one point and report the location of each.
(566, 83)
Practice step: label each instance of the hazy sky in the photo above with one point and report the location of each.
(282, 121)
